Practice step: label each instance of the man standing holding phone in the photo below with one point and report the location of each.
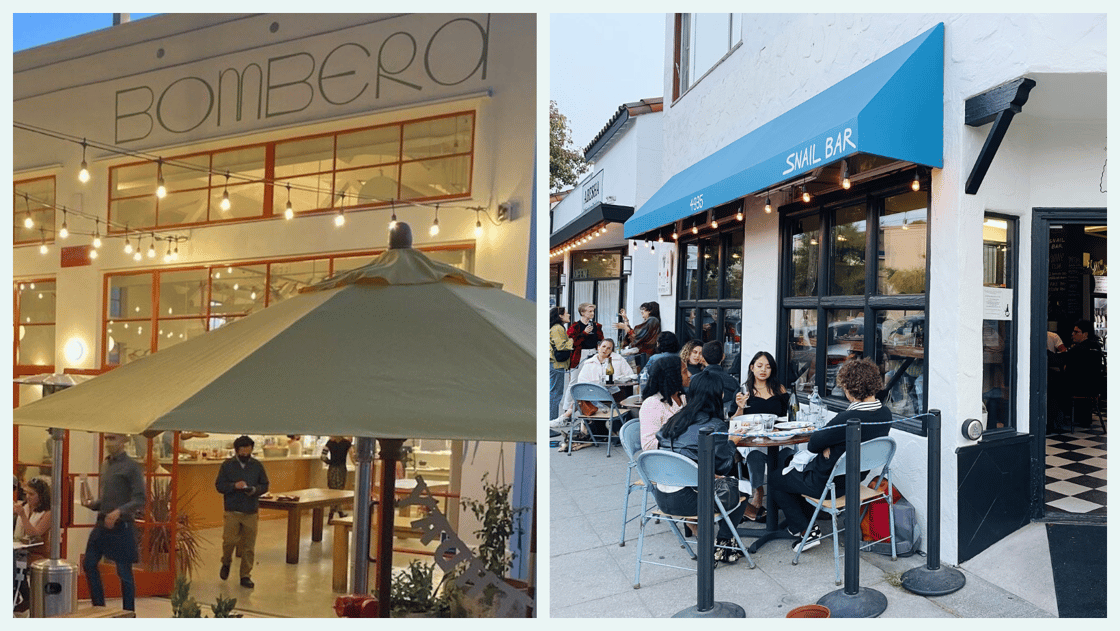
(242, 481)
(120, 498)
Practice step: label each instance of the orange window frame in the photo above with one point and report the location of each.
(16, 210)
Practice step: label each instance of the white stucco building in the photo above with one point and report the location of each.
(936, 262)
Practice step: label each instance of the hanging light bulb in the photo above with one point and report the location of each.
(136, 256)
(175, 253)
(695, 230)
(477, 225)
(127, 243)
(714, 224)
(92, 253)
(253, 295)
(161, 189)
(915, 185)
(96, 233)
(739, 215)
(288, 212)
(28, 222)
(768, 208)
(42, 241)
(675, 235)
(224, 205)
(845, 181)
(393, 219)
(236, 286)
(83, 175)
(64, 231)
(805, 194)
(152, 248)
(434, 230)
(340, 218)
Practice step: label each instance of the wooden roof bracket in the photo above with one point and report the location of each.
(999, 104)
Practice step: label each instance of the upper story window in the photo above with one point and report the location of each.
(702, 41)
(33, 210)
(35, 322)
(420, 160)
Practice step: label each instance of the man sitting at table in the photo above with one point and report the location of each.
(242, 481)
(860, 380)
(713, 356)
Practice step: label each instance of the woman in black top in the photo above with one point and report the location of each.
(860, 379)
(334, 454)
(681, 433)
(761, 394)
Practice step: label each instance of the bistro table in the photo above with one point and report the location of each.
(773, 529)
(306, 499)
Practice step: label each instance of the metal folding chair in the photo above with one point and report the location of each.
(631, 437)
(597, 394)
(672, 469)
(873, 454)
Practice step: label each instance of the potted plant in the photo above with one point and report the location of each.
(187, 539)
(415, 594)
(183, 605)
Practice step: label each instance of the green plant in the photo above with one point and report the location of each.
(495, 516)
(415, 590)
(188, 541)
(183, 605)
(223, 608)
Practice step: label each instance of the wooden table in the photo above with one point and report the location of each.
(773, 529)
(309, 499)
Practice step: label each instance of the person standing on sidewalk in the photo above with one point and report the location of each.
(120, 498)
(241, 480)
(560, 352)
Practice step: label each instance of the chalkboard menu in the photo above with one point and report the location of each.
(1067, 279)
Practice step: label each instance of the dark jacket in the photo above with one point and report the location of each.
(1084, 364)
(582, 340)
(688, 443)
(252, 473)
(834, 438)
(730, 384)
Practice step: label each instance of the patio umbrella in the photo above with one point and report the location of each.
(404, 347)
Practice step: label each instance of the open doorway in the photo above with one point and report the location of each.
(1069, 349)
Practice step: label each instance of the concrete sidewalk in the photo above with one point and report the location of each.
(591, 576)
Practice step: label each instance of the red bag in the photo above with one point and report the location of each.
(875, 524)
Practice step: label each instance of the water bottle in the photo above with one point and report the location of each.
(643, 379)
(816, 410)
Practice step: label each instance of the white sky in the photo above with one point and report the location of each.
(599, 61)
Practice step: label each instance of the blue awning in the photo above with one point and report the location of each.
(891, 108)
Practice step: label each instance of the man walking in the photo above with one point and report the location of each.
(120, 497)
(242, 481)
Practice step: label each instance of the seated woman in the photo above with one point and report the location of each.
(32, 524)
(860, 380)
(762, 394)
(693, 356)
(644, 336)
(681, 433)
(593, 370)
(662, 398)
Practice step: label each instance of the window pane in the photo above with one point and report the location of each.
(733, 280)
(344, 263)
(39, 201)
(286, 279)
(435, 178)
(593, 264)
(690, 331)
(36, 345)
(709, 267)
(691, 289)
(134, 213)
(709, 41)
(902, 359)
(194, 173)
(130, 296)
(708, 324)
(127, 341)
(844, 342)
(180, 208)
(802, 349)
(172, 332)
(237, 291)
(246, 163)
(36, 304)
(732, 342)
(372, 146)
(133, 180)
(902, 244)
(849, 247)
(437, 137)
(246, 200)
(311, 192)
(806, 251)
(998, 338)
(304, 156)
(182, 293)
(463, 259)
(372, 184)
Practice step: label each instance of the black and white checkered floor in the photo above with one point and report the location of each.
(1077, 472)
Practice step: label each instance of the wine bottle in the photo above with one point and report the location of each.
(610, 370)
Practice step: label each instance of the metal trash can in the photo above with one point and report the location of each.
(54, 588)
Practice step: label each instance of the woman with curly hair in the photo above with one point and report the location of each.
(662, 397)
(861, 380)
(693, 356)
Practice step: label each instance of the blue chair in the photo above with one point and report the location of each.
(672, 469)
(631, 437)
(597, 394)
(873, 454)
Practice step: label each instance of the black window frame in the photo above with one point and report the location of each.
(1011, 262)
(873, 194)
(722, 302)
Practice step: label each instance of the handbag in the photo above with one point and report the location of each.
(559, 355)
(325, 456)
(727, 491)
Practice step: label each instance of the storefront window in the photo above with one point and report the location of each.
(711, 301)
(35, 322)
(889, 220)
(998, 333)
(691, 280)
(38, 205)
(596, 264)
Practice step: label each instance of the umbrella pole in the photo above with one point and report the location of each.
(390, 455)
(363, 458)
(56, 493)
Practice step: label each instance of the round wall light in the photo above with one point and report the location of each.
(75, 350)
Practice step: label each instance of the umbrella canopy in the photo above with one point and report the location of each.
(404, 347)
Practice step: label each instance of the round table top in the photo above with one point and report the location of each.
(742, 440)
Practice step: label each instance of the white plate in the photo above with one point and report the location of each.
(794, 425)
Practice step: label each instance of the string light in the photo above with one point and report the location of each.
(695, 230)
(96, 233)
(152, 248)
(127, 243)
(136, 256)
(161, 189)
(393, 219)
(224, 205)
(768, 208)
(288, 212)
(175, 254)
(64, 231)
(340, 218)
(28, 222)
(434, 230)
(477, 225)
(915, 185)
(83, 175)
(846, 182)
(805, 194)
(675, 235)
(714, 224)
(42, 241)
(167, 255)
(739, 215)
(92, 253)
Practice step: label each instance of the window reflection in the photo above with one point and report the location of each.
(844, 341)
(902, 244)
(806, 254)
(902, 359)
(802, 349)
(849, 248)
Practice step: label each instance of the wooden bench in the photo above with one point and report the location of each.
(99, 612)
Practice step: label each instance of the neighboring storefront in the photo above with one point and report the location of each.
(286, 144)
(589, 260)
(865, 193)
